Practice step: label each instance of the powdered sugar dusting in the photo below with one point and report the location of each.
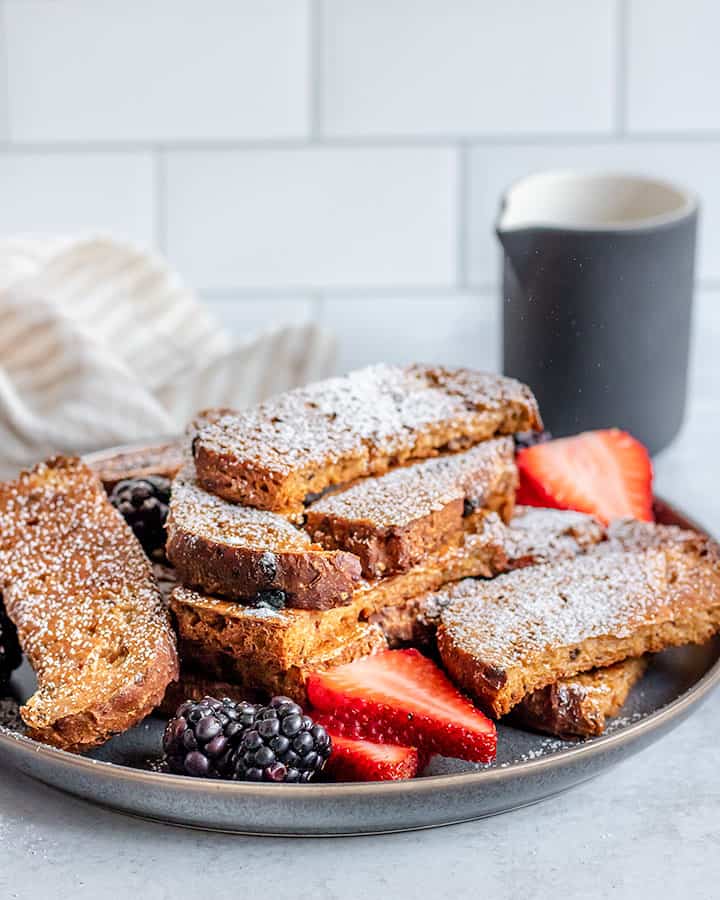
(407, 494)
(514, 619)
(79, 588)
(197, 513)
(547, 535)
(380, 411)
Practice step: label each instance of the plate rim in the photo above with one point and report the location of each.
(560, 759)
(644, 726)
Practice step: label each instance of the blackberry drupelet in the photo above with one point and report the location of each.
(525, 439)
(274, 599)
(144, 504)
(10, 652)
(283, 745)
(203, 736)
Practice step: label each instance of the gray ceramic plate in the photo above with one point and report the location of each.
(529, 767)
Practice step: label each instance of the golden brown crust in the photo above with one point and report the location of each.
(239, 552)
(504, 639)
(392, 521)
(272, 677)
(538, 536)
(108, 715)
(533, 537)
(287, 637)
(581, 705)
(398, 603)
(163, 459)
(333, 432)
(89, 614)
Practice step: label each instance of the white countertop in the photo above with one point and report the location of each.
(649, 828)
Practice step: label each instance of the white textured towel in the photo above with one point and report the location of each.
(101, 343)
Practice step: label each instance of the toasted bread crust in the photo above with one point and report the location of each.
(538, 535)
(288, 637)
(273, 678)
(162, 459)
(89, 615)
(400, 604)
(581, 705)
(108, 716)
(504, 639)
(239, 552)
(333, 432)
(534, 536)
(392, 521)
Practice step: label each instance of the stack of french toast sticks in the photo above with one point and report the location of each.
(328, 523)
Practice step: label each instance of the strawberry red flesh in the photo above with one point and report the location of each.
(401, 697)
(605, 473)
(357, 760)
(527, 496)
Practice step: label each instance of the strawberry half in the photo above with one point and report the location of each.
(400, 697)
(605, 473)
(526, 495)
(356, 760)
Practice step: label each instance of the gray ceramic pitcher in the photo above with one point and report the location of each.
(597, 289)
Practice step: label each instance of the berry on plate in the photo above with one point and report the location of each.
(282, 745)
(143, 503)
(10, 652)
(201, 738)
(605, 473)
(211, 738)
(401, 697)
(354, 759)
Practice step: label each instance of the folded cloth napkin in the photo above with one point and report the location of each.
(102, 344)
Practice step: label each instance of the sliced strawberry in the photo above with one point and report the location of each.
(401, 697)
(369, 732)
(605, 473)
(527, 496)
(356, 760)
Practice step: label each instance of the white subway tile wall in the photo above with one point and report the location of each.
(245, 316)
(428, 67)
(49, 193)
(128, 70)
(457, 329)
(313, 217)
(674, 71)
(343, 161)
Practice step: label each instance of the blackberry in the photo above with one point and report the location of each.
(281, 745)
(144, 504)
(525, 439)
(202, 737)
(274, 599)
(10, 652)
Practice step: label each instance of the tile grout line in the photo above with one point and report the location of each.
(322, 292)
(621, 67)
(396, 142)
(318, 294)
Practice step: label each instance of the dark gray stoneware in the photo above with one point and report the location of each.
(529, 767)
(597, 291)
